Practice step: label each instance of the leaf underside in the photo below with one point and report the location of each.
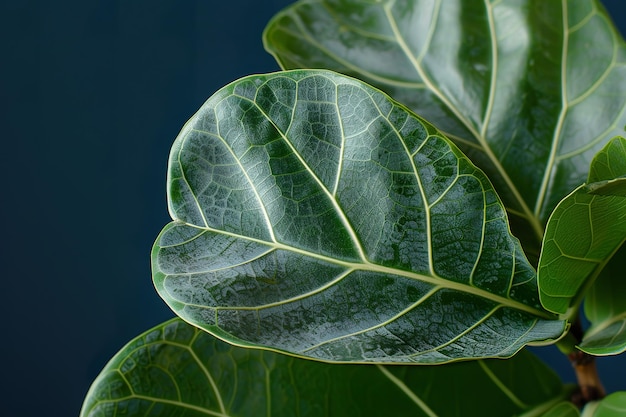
(316, 216)
(177, 369)
(529, 90)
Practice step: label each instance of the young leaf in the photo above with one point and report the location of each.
(610, 163)
(613, 405)
(177, 369)
(530, 90)
(314, 215)
(605, 305)
(605, 308)
(583, 233)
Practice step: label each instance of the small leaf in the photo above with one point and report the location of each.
(529, 90)
(605, 308)
(583, 233)
(314, 215)
(614, 405)
(177, 369)
(610, 163)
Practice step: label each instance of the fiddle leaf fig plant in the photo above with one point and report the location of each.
(383, 226)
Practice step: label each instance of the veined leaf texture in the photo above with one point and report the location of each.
(529, 90)
(177, 369)
(316, 216)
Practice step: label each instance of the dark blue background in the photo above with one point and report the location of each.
(93, 94)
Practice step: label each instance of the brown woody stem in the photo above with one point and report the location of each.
(584, 364)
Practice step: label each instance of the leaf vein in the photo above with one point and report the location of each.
(407, 391)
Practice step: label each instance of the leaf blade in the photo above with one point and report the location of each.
(329, 219)
(179, 369)
(606, 311)
(582, 234)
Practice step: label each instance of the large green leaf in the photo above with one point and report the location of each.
(316, 216)
(529, 89)
(177, 369)
(583, 233)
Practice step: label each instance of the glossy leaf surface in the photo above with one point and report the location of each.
(529, 89)
(316, 216)
(177, 369)
(583, 233)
